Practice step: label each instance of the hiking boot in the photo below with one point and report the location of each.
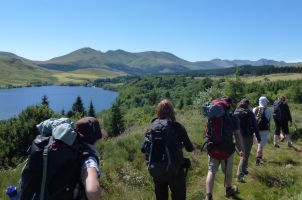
(230, 191)
(209, 197)
(240, 179)
(246, 172)
(276, 146)
(259, 161)
(289, 144)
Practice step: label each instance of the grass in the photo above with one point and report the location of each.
(124, 173)
(14, 72)
(83, 75)
(263, 78)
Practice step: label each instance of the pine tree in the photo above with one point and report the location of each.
(45, 101)
(91, 111)
(63, 112)
(78, 106)
(117, 125)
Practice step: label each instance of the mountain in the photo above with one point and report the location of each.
(132, 63)
(218, 63)
(123, 62)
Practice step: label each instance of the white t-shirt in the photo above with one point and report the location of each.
(91, 162)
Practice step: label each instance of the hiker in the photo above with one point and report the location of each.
(222, 152)
(90, 172)
(282, 116)
(62, 162)
(263, 116)
(248, 127)
(163, 151)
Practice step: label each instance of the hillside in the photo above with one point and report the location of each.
(124, 173)
(14, 71)
(87, 64)
(119, 60)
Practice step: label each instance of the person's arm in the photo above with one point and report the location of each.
(185, 139)
(239, 141)
(256, 131)
(91, 184)
(288, 113)
(237, 134)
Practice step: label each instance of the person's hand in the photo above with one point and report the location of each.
(259, 141)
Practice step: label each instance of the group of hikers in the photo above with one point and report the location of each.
(166, 137)
(64, 164)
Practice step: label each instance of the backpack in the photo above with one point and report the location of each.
(244, 116)
(277, 110)
(262, 121)
(53, 168)
(163, 157)
(219, 130)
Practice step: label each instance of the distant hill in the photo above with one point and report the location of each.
(120, 62)
(218, 63)
(131, 63)
(148, 62)
(14, 71)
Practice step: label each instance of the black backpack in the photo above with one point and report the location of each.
(262, 121)
(53, 168)
(244, 116)
(164, 158)
(219, 130)
(277, 110)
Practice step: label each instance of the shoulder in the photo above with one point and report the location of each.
(178, 126)
(255, 109)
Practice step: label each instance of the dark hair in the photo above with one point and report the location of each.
(165, 109)
(244, 103)
(282, 98)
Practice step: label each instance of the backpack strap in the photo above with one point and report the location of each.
(44, 174)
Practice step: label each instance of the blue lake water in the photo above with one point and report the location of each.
(13, 101)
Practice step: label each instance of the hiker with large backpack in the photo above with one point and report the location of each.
(282, 116)
(263, 115)
(248, 128)
(163, 152)
(62, 162)
(221, 127)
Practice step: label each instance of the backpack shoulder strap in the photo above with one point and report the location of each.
(44, 174)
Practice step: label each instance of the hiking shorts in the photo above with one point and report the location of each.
(226, 165)
(263, 135)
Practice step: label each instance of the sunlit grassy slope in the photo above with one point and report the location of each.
(263, 78)
(124, 174)
(14, 72)
(83, 75)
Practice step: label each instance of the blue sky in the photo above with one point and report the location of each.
(194, 30)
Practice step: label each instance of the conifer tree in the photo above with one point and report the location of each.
(116, 126)
(78, 106)
(45, 101)
(91, 110)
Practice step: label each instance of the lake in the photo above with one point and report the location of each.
(13, 101)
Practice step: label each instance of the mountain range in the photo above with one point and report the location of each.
(123, 62)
